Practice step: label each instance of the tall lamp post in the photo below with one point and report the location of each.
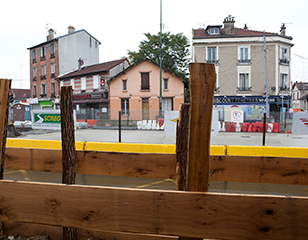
(160, 63)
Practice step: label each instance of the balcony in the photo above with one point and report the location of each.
(284, 88)
(34, 95)
(43, 58)
(243, 89)
(244, 61)
(34, 79)
(34, 60)
(52, 75)
(215, 62)
(52, 55)
(43, 77)
(284, 61)
(53, 95)
(43, 95)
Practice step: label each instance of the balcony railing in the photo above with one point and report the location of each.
(52, 75)
(244, 61)
(34, 79)
(243, 89)
(53, 95)
(213, 61)
(284, 61)
(34, 60)
(284, 88)
(43, 58)
(43, 95)
(52, 55)
(43, 77)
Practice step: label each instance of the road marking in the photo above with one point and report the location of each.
(23, 172)
(154, 183)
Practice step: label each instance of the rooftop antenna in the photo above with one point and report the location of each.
(47, 28)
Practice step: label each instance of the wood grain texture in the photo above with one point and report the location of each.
(55, 233)
(5, 86)
(202, 85)
(188, 214)
(223, 168)
(182, 147)
(68, 147)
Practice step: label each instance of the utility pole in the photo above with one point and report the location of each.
(160, 62)
(266, 85)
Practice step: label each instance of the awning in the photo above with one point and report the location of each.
(87, 101)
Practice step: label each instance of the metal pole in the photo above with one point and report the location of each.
(120, 126)
(264, 127)
(160, 62)
(266, 85)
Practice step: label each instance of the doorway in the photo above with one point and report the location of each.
(145, 109)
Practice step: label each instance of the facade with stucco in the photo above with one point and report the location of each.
(136, 92)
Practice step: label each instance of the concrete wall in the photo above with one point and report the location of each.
(74, 46)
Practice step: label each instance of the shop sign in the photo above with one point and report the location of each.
(86, 96)
(48, 119)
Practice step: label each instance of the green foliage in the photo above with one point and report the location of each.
(175, 52)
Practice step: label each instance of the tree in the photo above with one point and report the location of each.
(175, 52)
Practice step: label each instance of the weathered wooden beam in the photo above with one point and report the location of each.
(188, 214)
(68, 147)
(223, 168)
(55, 233)
(202, 85)
(5, 86)
(182, 147)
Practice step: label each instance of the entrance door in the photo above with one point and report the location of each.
(145, 109)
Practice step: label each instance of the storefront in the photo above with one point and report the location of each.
(93, 105)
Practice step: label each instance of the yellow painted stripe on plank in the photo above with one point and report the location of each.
(218, 150)
(267, 151)
(42, 144)
(130, 147)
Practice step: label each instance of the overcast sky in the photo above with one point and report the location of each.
(120, 24)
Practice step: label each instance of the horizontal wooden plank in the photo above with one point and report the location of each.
(267, 151)
(223, 168)
(56, 233)
(177, 213)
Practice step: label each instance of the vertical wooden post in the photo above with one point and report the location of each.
(182, 147)
(5, 86)
(202, 86)
(120, 126)
(68, 147)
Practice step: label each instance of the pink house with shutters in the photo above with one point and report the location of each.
(136, 91)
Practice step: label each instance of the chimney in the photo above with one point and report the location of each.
(51, 34)
(283, 29)
(229, 25)
(71, 29)
(80, 63)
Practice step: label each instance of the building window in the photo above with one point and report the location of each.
(284, 81)
(95, 82)
(96, 44)
(294, 94)
(211, 55)
(72, 83)
(244, 82)
(125, 106)
(34, 74)
(43, 72)
(34, 91)
(52, 70)
(83, 84)
(166, 83)
(167, 104)
(90, 41)
(145, 81)
(244, 58)
(53, 90)
(284, 55)
(124, 83)
(43, 90)
(43, 53)
(34, 56)
(297, 95)
(213, 31)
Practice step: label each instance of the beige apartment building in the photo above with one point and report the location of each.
(239, 59)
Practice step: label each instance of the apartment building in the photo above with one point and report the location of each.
(91, 91)
(239, 59)
(56, 56)
(300, 96)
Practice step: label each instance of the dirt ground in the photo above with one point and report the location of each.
(4, 237)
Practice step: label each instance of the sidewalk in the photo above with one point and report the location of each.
(158, 137)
